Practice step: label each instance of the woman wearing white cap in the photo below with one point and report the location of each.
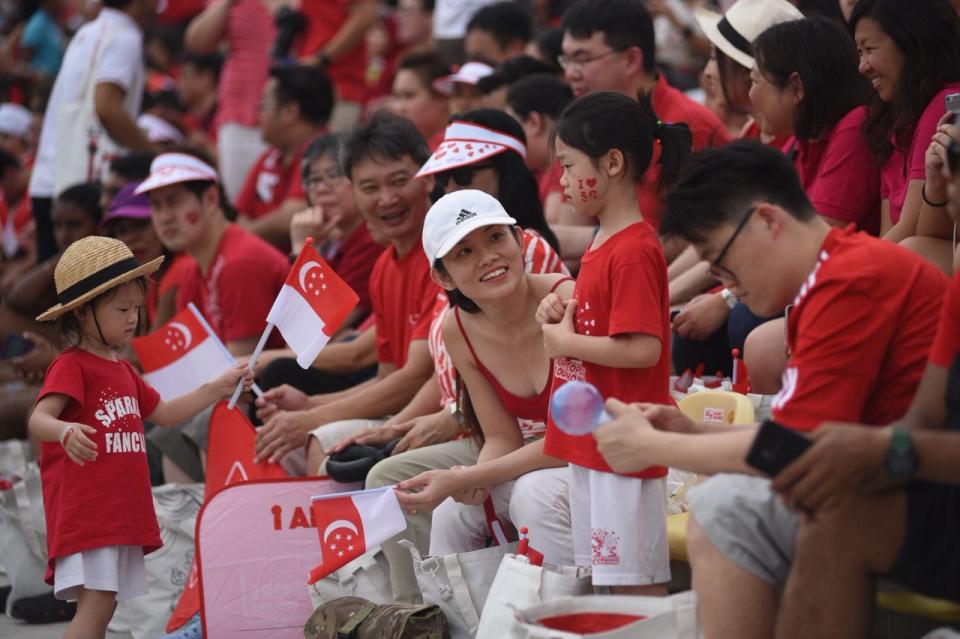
(475, 249)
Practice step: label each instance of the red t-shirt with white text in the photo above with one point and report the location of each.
(621, 290)
(403, 297)
(106, 502)
(269, 184)
(237, 290)
(859, 333)
(946, 345)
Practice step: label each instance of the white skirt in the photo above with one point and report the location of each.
(118, 569)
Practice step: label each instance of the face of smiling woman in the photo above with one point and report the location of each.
(486, 264)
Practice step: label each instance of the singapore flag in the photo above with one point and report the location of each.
(311, 306)
(350, 523)
(181, 355)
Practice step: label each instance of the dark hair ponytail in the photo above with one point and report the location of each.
(599, 122)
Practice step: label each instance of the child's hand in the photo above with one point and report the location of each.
(226, 383)
(78, 446)
(555, 334)
(550, 310)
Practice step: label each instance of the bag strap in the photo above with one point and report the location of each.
(494, 525)
(461, 593)
(22, 497)
(349, 629)
(86, 89)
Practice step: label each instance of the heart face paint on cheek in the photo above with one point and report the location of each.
(193, 217)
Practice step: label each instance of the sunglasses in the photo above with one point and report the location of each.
(462, 175)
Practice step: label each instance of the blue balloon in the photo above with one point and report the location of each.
(577, 408)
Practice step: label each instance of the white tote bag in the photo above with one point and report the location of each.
(367, 576)
(83, 146)
(673, 617)
(459, 584)
(168, 567)
(23, 537)
(14, 458)
(519, 584)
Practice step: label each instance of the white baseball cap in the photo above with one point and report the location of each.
(15, 119)
(734, 31)
(174, 168)
(469, 73)
(466, 143)
(456, 215)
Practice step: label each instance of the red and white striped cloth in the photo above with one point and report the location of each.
(539, 258)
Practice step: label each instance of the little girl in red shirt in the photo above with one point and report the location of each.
(612, 329)
(93, 463)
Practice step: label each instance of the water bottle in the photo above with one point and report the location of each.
(577, 408)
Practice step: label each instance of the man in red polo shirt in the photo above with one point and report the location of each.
(864, 316)
(381, 159)
(297, 101)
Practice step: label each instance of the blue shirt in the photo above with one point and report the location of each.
(43, 37)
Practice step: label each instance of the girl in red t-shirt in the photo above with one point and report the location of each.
(612, 330)
(93, 463)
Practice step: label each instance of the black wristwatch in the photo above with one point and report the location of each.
(900, 460)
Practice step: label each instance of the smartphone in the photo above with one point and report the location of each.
(774, 447)
(15, 345)
(952, 103)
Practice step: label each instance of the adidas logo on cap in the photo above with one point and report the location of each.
(465, 215)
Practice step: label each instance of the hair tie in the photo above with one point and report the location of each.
(658, 131)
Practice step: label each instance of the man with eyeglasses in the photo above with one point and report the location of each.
(609, 45)
(864, 316)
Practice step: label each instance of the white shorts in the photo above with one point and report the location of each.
(118, 569)
(619, 527)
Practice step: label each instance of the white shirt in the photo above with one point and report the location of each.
(450, 17)
(120, 63)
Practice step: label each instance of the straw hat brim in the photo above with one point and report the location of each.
(59, 309)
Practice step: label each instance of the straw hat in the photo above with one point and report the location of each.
(90, 267)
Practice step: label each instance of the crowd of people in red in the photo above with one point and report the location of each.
(522, 194)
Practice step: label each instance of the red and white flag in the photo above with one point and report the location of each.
(350, 523)
(311, 306)
(181, 355)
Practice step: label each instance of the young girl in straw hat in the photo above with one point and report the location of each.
(93, 464)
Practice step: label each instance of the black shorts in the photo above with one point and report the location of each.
(929, 561)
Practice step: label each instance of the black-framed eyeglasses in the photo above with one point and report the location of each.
(328, 179)
(462, 175)
(715, 269)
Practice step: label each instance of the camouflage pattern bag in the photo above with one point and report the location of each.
(357, 618)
